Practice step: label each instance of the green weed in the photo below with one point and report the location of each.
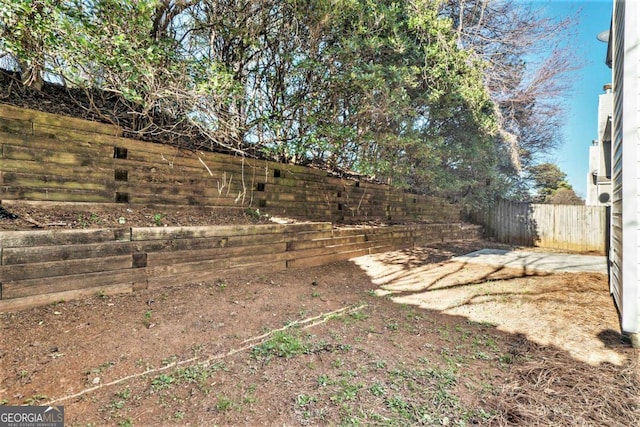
(303, 400)
(281, 344)
(162, 381)
(223, 403)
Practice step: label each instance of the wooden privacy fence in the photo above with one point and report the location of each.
(40, 267)
(47, 157)
(568, 227)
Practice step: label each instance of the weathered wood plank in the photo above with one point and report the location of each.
(327, 242)
(325, 259)
(42, 194)
(31, 287)
(9, 273)
(210, 265)
(162, 258)
(84, 146)
(222, 230)
(33, 254)
(14, 239)
(9, 125)
(79, 173)
(249, 260)
(64, 122)
(23, 180)
(14, 152)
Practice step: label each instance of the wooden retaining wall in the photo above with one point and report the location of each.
(46, 157)
(40, 267)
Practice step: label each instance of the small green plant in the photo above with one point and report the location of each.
(377, 389)
(506, 359)
(346, 392)
(323, 380)
(162, 381)
(147, 318)
(480, 355)
(23, 374)
(157, 219)
(124, 394)
(252, 213)
(179, 415)
(303, 400)
(399, 405)
(193, 374)
(224, 403)
(315, 294)
(35, 399)
(358, 315)
(126, 423)
(281, 344)
(249, 396)
(82, 221)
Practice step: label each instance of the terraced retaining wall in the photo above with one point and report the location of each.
(48, 157)
(39, 267)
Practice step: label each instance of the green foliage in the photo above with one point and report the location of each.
(282, 344)
(380, 88)
(551, 186)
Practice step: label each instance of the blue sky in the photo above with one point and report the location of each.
(582, 114)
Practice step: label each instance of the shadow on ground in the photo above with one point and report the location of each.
(572, 311)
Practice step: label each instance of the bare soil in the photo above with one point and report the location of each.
(22, 215)
(319, 346)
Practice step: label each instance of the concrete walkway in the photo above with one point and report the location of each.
(537, 261)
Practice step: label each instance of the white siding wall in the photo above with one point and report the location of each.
(592, 188)
(625, 250)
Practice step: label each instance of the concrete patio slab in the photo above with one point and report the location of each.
(537, 261)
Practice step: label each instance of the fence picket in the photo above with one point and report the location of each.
(568, 227)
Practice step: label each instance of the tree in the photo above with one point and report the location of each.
(551, 185)
(527, 58)
(27, 30)
(428, 95)
(564, 196)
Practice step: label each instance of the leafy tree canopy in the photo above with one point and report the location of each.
(551, 185)
(405, 91)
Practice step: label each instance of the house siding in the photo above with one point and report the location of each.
(625, 211)
(615, 255)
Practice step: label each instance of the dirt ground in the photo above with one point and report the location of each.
(23, 215)
(324, 346)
